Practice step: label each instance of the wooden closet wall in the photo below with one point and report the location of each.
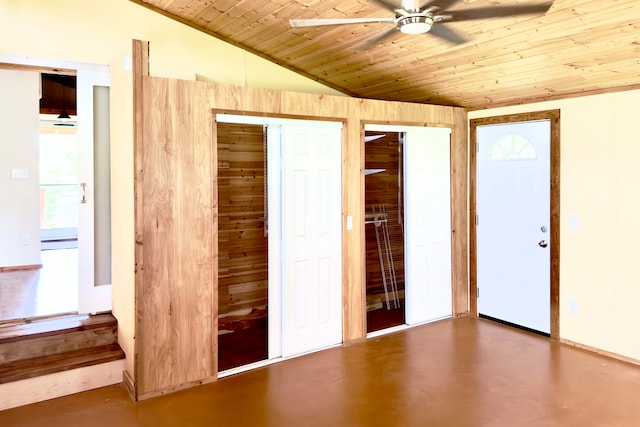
(176, 212)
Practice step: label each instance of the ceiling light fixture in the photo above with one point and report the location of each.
(416, 24)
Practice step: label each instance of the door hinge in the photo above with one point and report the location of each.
(477, 147)
(477, 220)
(477, 292)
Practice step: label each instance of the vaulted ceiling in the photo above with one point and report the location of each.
(577, 47)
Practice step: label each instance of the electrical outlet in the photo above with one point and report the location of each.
(573, 306)
(25, 239)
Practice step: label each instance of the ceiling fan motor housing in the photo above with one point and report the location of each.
(416, 23)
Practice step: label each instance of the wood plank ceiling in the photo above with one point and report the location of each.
(578, 47)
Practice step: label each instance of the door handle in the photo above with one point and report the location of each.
(83, 187)
(543, 243)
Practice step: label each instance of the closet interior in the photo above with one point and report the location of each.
(384, 230)
(242, 245)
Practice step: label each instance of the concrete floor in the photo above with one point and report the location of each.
(460, 372)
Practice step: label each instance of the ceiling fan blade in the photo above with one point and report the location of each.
(336, 21)
(497, 12)
(377, 39)
(386, 5)
(437, 4)
(447, 34)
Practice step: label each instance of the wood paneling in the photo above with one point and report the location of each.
(140, 70)
(242, 244)
(177, 191)
(459, 215)
(176, 311)
(578, 47)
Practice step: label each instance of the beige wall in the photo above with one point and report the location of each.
(19, 198)
(600, 172)
(98, 32)
(64, 32)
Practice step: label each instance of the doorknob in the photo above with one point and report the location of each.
(543, 243)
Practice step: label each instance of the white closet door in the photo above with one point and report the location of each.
(428, 224)
(312, 234)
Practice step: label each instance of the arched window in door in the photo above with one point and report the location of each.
(512, 147)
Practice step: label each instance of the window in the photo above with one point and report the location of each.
(512, 147)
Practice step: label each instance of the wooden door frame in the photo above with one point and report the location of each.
(554, 213)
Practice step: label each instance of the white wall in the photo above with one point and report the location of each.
(101, 32)
(19, 198)
(600, 176)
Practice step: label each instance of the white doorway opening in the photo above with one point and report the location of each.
(424, 212)
(303, 217)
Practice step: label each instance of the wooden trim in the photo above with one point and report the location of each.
(41, 69)
(214, 246)
(554, 211)
(216, 111)
(354, 323)
(20, 267)
(140, 68)
(473, 250)
(169, 390)
(459, 216)
(129, 384)
(601, 352)
(411, 124)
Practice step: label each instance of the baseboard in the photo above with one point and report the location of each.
(20, 267)
(129, 385)
(601, 352)
(47, 387)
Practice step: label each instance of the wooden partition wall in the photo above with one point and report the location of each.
(176, 192)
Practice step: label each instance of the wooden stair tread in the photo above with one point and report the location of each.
(23, 369)
(51, 327)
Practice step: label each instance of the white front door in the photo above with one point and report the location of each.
(427, 224)
(312, 238)
(94, 249)
(513, 236)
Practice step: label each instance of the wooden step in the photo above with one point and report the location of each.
(47, 346)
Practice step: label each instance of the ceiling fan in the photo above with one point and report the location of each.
(420, 17)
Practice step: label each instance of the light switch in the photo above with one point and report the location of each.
(573, 306)
(19, 173)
